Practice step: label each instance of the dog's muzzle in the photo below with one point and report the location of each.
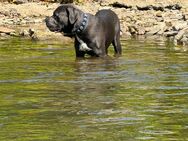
(53, 25)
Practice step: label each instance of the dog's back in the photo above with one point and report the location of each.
(107, 14)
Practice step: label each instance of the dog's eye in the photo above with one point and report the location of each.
(56, 17)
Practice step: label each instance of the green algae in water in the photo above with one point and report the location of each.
(46, 94)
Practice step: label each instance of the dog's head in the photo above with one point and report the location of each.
(63, 19)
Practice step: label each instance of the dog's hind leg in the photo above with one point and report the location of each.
(117, 45)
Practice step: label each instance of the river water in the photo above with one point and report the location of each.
(46, 94)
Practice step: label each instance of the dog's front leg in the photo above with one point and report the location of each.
(77, 49)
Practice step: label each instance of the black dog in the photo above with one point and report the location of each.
(93, 33)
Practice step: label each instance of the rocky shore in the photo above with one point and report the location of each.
(168, 20)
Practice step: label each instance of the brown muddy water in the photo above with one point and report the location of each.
(48, 95)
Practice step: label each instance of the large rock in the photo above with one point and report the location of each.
(20, 1)
(24, 33)
(185, 14)
(179, 25)
(120, 5)
(173, 7)
(141, 30)
(153, 30)
(181, 37)
(170, 33)
(162, 27)
(144, 8)
(6, 30)
(13, 12)
(173, 15)
(159, 8)
(159, 14)
(132, 29)
(181, 33)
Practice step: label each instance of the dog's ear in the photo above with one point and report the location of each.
(72, 14)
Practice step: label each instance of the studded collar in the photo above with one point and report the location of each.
(83, 25)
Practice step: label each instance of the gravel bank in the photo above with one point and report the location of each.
(144, 19)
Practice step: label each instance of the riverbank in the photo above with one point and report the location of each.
(168, 19)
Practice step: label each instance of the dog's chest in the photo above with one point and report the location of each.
(84, 47)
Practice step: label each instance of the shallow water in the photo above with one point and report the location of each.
(46, 94)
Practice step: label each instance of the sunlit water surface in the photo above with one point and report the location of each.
(46, 94)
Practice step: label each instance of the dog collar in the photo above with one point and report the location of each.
(83, 25)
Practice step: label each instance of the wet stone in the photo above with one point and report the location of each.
(170, 33)
(6, 30)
